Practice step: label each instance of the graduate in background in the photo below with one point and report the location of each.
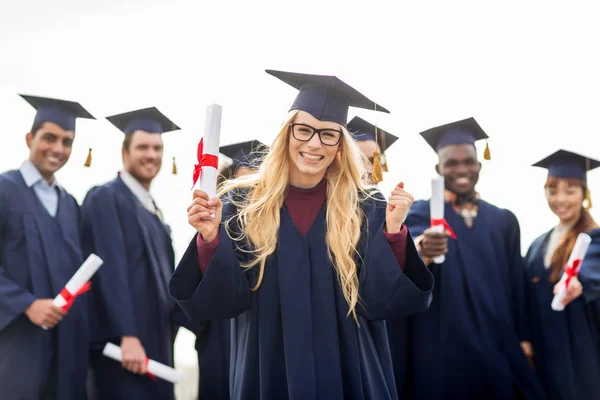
(372, 142)
(213, 338)
(566, 350)
(305, 326)
(467, 345)
(245, 158)
(131, 306)
(39, 252)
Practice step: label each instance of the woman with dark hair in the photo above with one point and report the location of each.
(565, 345)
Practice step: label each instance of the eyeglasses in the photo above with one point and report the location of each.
(304, 133)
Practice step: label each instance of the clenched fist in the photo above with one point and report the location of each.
(397, 209)
(205, 215)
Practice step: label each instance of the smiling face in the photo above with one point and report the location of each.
(142, 156)
(459, 167)
(49, 148)
(309, 160)
(565, 198)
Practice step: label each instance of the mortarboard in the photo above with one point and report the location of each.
(363, 130)
(566, 164)
(61, 112)
(245, 154)
(466, 131)
(147, 119)
(327, 98)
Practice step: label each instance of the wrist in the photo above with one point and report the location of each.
(208, 237)
(392, 227)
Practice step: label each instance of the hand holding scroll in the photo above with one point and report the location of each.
(199, 213)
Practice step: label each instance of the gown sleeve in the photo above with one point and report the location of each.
(387, 289)
(223, 290)
(589, 274)
(14, 299)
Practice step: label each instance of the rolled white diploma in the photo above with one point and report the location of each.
(207, 182)
(81, 277)
(581, 246)
(155, 368)
(436, 209)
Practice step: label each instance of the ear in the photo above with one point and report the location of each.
(29, 139)
(480, 165)
(437, 169)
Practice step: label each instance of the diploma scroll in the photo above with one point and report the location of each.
(205, 174)
(572, 269)
(436, 210)
(78, 284)
(154, 368)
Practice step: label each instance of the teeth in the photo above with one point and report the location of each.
(311, 157)
(462, 180)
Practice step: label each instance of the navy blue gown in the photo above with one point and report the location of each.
(131, 293)
(38, 255)
(467, 345)
(566, 344)
(292, 338)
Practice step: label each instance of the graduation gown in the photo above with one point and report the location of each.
(131, 295)
(566, 344)
(292, 338)
(467, 345)
(38, 255)
(213, 340)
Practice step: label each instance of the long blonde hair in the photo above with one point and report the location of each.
(258, 212)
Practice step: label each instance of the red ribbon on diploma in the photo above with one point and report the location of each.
(150, 374)
(70, 298)
(571, 271)
(442, 221)
(204, 160)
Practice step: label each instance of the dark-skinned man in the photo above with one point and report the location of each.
(467, 345)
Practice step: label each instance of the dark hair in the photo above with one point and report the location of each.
(127, 142)
(36, 127)
(585, 223)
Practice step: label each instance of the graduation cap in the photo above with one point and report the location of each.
(466, 131)
(149, 120)
(363, 131)
(327, 98)
(245, 154)
(566, 164)
(61, 112)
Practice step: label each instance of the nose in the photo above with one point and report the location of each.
(57, 147)
(315, 142)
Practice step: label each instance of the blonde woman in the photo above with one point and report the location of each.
(306, 260)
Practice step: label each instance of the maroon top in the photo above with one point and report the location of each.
(304, 206)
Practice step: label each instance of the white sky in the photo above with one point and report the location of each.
(528, 71)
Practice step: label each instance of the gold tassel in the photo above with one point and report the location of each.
(486, 152)
(588, 200)
(377, 170)
(174, 167)
(88, 160)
